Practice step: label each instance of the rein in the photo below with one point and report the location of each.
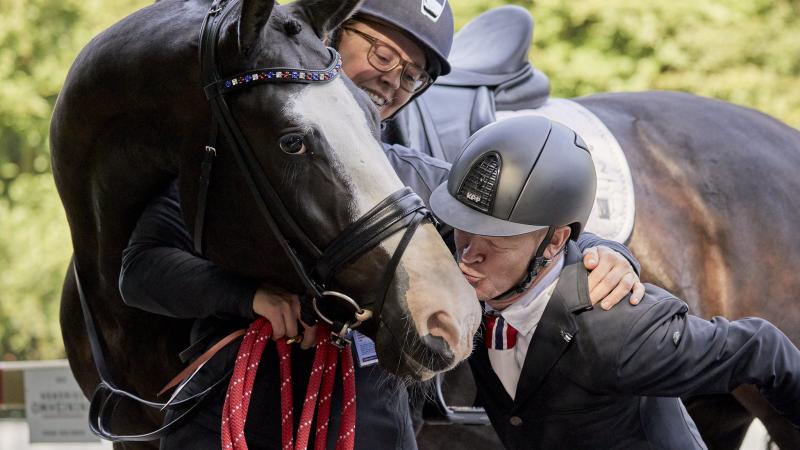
(401, 210)
(237, 399)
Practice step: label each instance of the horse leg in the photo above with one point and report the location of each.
(780, 431)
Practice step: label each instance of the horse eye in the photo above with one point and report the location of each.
(292, 144)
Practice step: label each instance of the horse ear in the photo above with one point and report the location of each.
(327, 15)
(253, 16)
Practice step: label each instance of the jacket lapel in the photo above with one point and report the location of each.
(557, 327)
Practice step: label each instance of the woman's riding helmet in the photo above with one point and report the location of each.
(429, 22)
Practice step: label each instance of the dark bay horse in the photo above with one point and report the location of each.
(716, 211)
(132, 116)
(716, 192)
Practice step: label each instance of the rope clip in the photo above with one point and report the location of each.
(340, 340)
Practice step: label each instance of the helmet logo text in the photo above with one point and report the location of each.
(473, 197)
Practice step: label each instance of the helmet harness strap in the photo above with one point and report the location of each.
(538, 261)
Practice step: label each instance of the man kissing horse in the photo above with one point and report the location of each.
(132, 116)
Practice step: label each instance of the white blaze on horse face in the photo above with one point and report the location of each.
(355, 153)
(439, 300)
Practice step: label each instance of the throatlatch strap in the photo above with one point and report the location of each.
(533, 268)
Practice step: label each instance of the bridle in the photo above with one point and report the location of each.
(402, 209)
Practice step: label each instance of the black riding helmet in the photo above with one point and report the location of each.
(517, 176)
(428, 22)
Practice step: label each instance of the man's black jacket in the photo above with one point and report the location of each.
(610, 379)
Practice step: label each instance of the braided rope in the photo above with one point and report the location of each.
(347, 426)
(287, 409)
(240, 389)
(324, 409)
(312, 392)
(237, 398)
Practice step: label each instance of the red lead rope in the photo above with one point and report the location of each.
(323, 373)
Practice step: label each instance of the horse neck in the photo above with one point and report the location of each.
(130, 105)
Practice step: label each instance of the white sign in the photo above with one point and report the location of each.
(55, 406)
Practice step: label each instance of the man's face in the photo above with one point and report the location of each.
(383, 88)
(491, 264)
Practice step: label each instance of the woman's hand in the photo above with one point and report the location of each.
(282, 310)
(611, 277)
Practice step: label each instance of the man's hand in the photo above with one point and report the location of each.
(611, 277)
(282, 310)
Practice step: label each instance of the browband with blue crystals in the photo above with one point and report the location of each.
(276, 74)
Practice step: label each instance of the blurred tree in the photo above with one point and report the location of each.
(34, 252)
(744, 51)
(38, 41)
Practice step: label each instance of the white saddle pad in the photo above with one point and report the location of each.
(614, 208)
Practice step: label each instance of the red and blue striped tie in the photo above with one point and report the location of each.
(499, 334)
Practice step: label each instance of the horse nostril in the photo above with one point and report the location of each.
(443, 331)
(437, 353)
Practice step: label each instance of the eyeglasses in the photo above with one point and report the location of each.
(384, 58)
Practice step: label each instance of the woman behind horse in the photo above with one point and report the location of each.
(393, 51)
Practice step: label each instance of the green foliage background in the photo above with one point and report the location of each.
(744, 51)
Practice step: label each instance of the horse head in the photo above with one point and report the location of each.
(299, 145)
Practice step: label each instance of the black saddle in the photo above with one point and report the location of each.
(491, 72)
